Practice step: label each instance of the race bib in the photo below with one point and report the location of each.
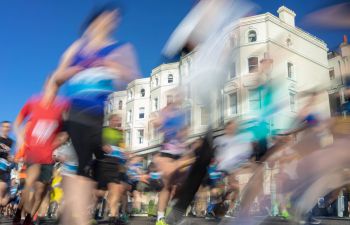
(43, 130)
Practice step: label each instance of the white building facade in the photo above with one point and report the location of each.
(296, 57)
(339, 73)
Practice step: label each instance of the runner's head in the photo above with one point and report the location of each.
(114, 121)
(230, 127)
(5, 128)
(103, 21)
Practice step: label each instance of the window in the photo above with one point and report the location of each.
(110, 106)
(254, 99)
(155, 104)
(290, 70)
(140, 136)
(204, 116)
(157, 81)
(233, 103)
(152, 131)
(170, 78)
(253, 64)
(141, 112)
(128, 118)
(331, 74)
(120, 105)
(252, 36)
(128, 138)
(289, 42)
(292, 101)
(143, 92)
(232, 73)
(169, 99)
(130, 94)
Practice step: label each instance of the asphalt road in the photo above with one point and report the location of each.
(201, 221)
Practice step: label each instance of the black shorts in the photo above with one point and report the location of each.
(5, 176)
(168, 155)
(22, 182)
(260, 149)
(85, 131)
(46, 171)
(107, 171)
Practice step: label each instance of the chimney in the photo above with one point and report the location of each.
(286, 15)
(345, 47)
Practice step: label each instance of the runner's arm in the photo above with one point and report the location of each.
(17, 128)
(63, 72)
(124, 62)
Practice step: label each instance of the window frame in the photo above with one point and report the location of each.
(290, 72)
(204, 113)
(248, 35)
(170, 76)
(230, 95)
(142, 112)
(329, 73)
(129, 116)
(255, 100)
(120, 105)
(142, 92)
(140, 138)
(249, 65)
(155, 104)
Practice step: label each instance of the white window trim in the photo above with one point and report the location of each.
(120, 108)
(247, 35)
(141, 92)
(142, 112)
(172, 79)
(293, 78)
(139, 137)
(249, 105)
(229, 105)
(252, 56)
(329, 70)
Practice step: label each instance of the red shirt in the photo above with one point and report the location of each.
(43, 124)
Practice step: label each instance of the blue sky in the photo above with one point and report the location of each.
(34, 33)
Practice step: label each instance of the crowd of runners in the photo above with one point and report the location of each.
(67, 165)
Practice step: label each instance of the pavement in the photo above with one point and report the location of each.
(201, 221)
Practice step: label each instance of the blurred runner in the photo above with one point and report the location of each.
(110, 170)
(90, 67)
(43, 123)
(5, 161)
(172, 122)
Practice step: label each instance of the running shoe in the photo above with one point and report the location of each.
(285, 215)
(161, 222)
(93, 222)
(112, 220)
(28, 220)
(17, 217)
(311, 220)
(211, 216)
(124, 218)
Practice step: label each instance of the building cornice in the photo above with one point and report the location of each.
(138, 82)
(272, 18)
(165, 66)
(119, 94)
(282, 46)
